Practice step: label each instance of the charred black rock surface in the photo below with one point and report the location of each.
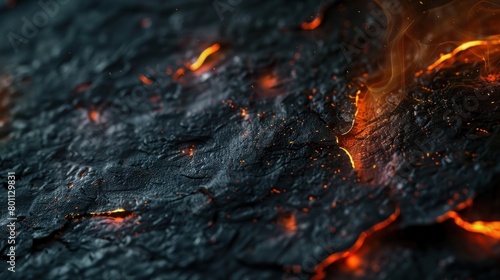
(232, 171)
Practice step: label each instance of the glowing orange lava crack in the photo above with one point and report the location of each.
(491, 229)
(320, 273)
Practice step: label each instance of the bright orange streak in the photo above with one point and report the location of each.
(350, 157)
(463, 47)
(320, 273)
(203, 56)
(356, 105)
(313, 24)
(145, 80)
(119, 210)
(491, 229)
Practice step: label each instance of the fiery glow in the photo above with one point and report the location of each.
(269, 81)
(320, 273)
(178, 74)
(93, 116)
(421, 30)
(468, 46)
(358, 127)
(203, 56)
(350, 157)
(313, 24)
(491, 229)
(353, 262)
(288, 222)
(119, 210)
(145, 80)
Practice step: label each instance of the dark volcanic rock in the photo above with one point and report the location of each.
(232, 171)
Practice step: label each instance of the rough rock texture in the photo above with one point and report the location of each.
(232, 171)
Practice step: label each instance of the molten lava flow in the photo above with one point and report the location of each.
(313, 24)
(320, 273)
(491, 229)
(203, 56)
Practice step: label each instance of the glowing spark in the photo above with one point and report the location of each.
(203, 56)
(313, 24)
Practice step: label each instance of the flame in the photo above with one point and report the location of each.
(315, 23)
(465, 31)
(203, 56)
(320, 273)
(481, 50)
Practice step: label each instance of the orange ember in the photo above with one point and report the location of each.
(93, 116)
(145, 80)
(313, 24)
(178, 74)
(288, 222)
(353, 262)
(203, 56)
(350, 253)
(269, 81)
